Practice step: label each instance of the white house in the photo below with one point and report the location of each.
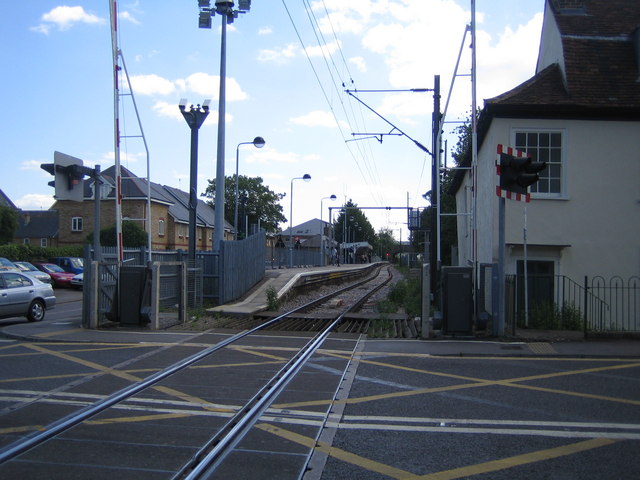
(581, 114)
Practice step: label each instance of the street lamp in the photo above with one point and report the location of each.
(332, 198)
(306, 177)
(195, 117)
(258, 142)
(224, 8)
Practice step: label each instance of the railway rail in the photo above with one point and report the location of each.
(214, 451)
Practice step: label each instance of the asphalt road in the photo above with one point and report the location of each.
(397, 410)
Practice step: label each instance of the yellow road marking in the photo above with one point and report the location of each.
(338, 453)
(478, 383)
(518, 460)
(129, 377)
(141, 418)
(59, 332)
(259, 354)
(22, 429)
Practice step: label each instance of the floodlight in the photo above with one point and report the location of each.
(244, 5)
(206, 103)
(183, 103)
(204, 3)
(204, 20)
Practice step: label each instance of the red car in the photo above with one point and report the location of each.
(59, 276)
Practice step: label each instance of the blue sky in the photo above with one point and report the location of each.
(287, 62)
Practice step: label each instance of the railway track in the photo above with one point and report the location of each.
(238, 420)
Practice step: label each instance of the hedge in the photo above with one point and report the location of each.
(30, 253)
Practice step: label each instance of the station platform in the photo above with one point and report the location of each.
(283, 281)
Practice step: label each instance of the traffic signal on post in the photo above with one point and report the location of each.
(69, 173)
(518, 173)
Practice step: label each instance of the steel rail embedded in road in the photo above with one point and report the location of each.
(23, 445)
(211, 455)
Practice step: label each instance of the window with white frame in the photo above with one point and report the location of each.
(544, 146)
(76, 224)
(161, 226)
(26, 241)
(44, 242)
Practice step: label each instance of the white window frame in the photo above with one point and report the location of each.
(562, 193)
(77, 224)
(161, 227)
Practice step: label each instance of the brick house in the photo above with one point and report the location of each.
(169, 223)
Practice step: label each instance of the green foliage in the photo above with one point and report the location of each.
(273, 302)
(255, 200)
(133, 236)
(8, 224)
(406, 295)
(548, 316)
(32, 253)
(363, 232)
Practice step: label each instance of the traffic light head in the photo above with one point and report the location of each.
(68, 172)
(517, 173)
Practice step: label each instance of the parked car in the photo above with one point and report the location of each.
(7, 266)
(32, 271)
(59, 276)
(22, 295)
(77, 280)
(69, 264)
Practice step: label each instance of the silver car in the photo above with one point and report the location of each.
(31, 270)
(24, 296)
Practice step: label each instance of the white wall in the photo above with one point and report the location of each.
(598, 218)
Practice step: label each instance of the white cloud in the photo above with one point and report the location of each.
(318, 118)
(208, 86)
(280, 55)
(319, 51)
(65, 17)
(265, 30)
(35, 201)
(151, 85)
(359, 63)
(128, 17)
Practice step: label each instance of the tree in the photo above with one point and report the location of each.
(8, 224)
(133, 236)
(386, 244)
(255, 201)
(359, 228)
(448, 224)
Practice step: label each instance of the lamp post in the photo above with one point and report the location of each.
(332, 198)
(224, 8)
(195, 117)
(258, 142)
(306, 177)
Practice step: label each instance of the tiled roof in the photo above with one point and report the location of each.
(596, 17)
(601, 69)
(37, 224)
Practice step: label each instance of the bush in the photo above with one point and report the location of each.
(273, 303)
(548, 316)
(405, 294)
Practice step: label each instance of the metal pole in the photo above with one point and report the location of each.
(291, 225)
(498, 326)
(97, 250)
(435, 186)
(219, 198)
(526, 272)
(193, 196)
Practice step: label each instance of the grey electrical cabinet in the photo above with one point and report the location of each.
(457, 300)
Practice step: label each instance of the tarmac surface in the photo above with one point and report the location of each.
(405, 408)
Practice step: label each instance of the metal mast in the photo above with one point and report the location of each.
(113, 9)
